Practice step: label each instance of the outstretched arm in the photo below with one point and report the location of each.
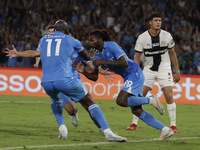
(14, 53)
(106, 73)
(88, 55)
(81, 69)
(121, 62)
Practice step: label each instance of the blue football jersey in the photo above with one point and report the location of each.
(55, 51)
(112, 51)
(39, 47)
(75, 56)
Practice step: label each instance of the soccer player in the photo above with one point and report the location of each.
(158, 48)
(63, 102)
(58, 76)
(112, 56)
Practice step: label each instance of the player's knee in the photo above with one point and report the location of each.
(169, 98)
(121, 102)
(72, 111)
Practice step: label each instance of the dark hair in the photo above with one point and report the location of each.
(50, 27)
(153, 15)
(62, 26)
(102, 33)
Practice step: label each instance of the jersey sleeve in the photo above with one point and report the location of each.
(171, 42)
(39, 45)
(116, 50)
(139, 45)
(77, 46)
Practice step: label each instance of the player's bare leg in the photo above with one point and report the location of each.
(171, 106)
(73, 112)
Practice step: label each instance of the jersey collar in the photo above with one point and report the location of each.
(58, 32)
(104, 46)
(152, 35)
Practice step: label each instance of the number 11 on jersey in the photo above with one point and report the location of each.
(58, 42)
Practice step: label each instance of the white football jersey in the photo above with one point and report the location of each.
(155, 49)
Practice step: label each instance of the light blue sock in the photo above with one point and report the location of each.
(150, 120)
(96, 123)
(58, 111)
(98, 116)
(136, 101)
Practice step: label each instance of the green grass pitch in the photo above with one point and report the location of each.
(28, 123)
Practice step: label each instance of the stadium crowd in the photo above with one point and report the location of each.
(24, 22)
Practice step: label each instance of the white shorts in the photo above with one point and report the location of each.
(164, 77)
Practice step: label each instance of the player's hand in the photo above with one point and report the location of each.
(35, 65)
(107, 74)
(93, 53)
(78, 66)
(176, 77)
(109, 77)
(105, 71)
(11, 53)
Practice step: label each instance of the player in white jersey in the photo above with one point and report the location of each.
(158, 48)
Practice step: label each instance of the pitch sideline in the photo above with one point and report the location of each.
(25, 102)
(86, 144)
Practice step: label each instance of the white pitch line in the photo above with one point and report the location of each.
(24, 102)
(86, 144)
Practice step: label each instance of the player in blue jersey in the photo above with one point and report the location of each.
(63, 102)
(112, 56)
(58, 76)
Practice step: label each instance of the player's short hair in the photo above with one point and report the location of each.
(50, 27)
(62, 26)
(154, 15)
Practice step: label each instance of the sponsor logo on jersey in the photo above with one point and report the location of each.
(162, 43)
(150, 53)
(155, 44)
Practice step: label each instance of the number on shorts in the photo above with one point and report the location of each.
(128, 83)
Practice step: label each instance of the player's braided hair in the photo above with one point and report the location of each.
(102, 33)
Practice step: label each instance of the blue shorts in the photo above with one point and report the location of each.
(71, 87)
(133, 83)
(64, 98)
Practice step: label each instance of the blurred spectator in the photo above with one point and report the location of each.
(192, 69)
(197, 57)
(184, 67)
(186, 50)
(132, 51)
(24, 19)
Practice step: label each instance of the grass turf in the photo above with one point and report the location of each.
(29, 121)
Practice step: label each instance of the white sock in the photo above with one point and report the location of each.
(135, 119)
(172, 113)
(151, 100)
(62, 128)
(107, 131)
(165, 128)
(115, 96)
